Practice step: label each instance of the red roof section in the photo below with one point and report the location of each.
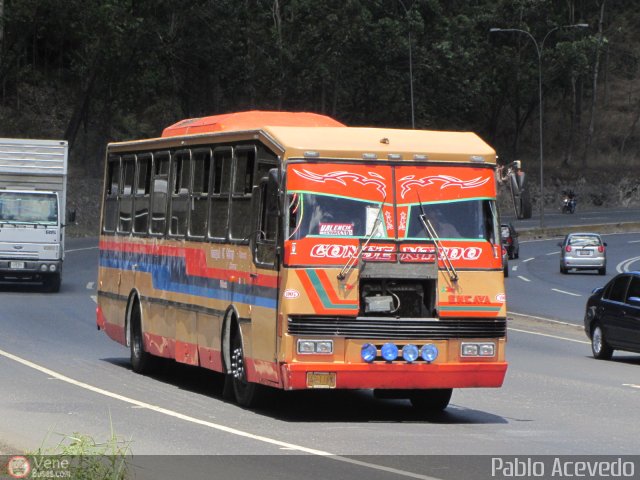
(252, 120)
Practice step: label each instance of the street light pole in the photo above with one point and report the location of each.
(539, 50)
(406, 11)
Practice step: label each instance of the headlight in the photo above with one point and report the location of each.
(43, 268)
(410, 353)
(368, 352)
(52, 268)
(389, 352)
(429, 352)
(322, 347)
(484, 349)
(306, 346)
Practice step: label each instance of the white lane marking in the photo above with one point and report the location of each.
(81, 249)
(515, 268)
(632, 385)
(546, 319)
(90, 285)
(633, 241)
(528, 260)
(552, 253)
(623, 266)
(550, 336)
(204, 423)
(94, 298)
(523, 278)
(566, 293)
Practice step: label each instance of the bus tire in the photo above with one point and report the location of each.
(247, 394)
(434, 400)
(141, 361)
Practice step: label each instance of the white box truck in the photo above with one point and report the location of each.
(33, 188)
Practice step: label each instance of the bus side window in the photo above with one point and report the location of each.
(142, 192)
(112, 185)
(159, 195)
(126, 193)
(199, 190)
(244, 166)
(219, 196)
(180, 180)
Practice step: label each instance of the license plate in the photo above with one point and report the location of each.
(16, 265)
(321, 380)
(585, 252)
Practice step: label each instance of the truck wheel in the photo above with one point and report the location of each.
(52, 283)
(431, 400)
(247, 394)
(141, 361)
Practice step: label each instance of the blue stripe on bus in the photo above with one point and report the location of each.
(173, 278)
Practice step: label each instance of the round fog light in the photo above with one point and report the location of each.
(429, 352)
(43, 268)
(369, 352)
(52, 268)
(410, 353)
(389, 352)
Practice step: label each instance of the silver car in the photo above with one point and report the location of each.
(583, 251)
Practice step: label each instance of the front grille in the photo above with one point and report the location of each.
(21, 255)
(397, 328)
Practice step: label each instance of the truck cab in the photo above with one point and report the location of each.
(33, 176)
(30, 237)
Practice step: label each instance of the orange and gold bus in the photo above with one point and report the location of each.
(288, 250)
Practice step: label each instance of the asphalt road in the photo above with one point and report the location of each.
(536, 287)
(58, 375)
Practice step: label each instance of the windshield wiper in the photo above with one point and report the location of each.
(431, 232)
(355, 258)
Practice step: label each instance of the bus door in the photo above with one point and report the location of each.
(264, 278)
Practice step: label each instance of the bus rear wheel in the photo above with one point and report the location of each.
(141, 361)
(247, 394)
(431, 400)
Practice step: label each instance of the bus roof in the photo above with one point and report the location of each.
(295, 134)
(252, 120)
(353, 142)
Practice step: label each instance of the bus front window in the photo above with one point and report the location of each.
(312, 214)
(467, 219)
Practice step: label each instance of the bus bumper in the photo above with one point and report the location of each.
(393, 376)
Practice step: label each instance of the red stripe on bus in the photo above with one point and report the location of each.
(310, 291)
(399, 375)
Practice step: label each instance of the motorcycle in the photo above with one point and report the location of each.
(568, 202)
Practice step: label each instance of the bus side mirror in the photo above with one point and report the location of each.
(71, 216)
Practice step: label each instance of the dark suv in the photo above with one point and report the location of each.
(510, 240)
(612, 317)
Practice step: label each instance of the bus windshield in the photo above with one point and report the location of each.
(315, 214)
(467, 219)
(20, 207)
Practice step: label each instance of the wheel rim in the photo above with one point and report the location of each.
(237, 365)
(597, 340)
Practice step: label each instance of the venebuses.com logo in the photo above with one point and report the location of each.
(18, 467)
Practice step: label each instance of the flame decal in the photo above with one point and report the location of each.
(446, 181)
(340, 177)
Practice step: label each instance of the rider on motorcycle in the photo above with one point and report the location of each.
(568, 201)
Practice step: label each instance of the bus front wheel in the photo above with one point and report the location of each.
(432, 400)
(141, 361)
(247, 394)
